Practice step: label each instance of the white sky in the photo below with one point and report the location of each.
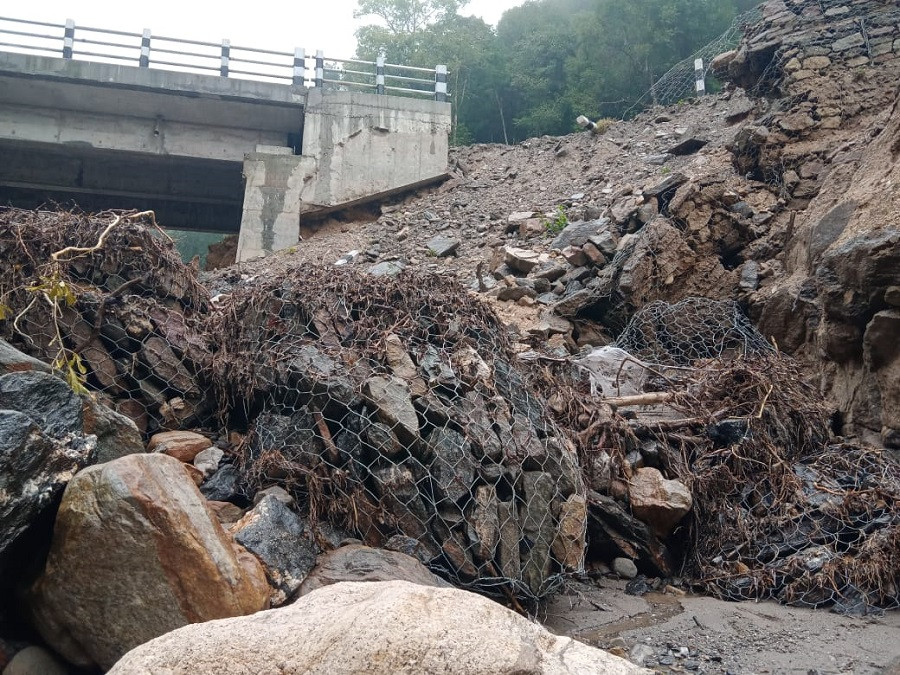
(271, 24)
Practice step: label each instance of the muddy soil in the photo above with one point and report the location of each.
(700, 634)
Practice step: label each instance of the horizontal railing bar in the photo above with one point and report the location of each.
(232, 54)
(4, 31)
(369, 73)
(107, 56)
(366, 63)
(160, 50)
(411, 91)
(235, 59)
(262, 51)
(33, 23)
(415, 68)
(186, 42)
(117, 45)
(250, 72)
(108, 31)
(32, 47)
(184, 65)
(408, 79)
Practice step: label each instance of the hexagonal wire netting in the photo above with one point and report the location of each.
(781, 508)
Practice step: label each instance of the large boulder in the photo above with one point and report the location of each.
(377, 628)
(136, 554)
(355, 562)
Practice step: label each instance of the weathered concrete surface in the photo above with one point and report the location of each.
(367, 144)
(272, 202)
(356, 147)
(110, 136)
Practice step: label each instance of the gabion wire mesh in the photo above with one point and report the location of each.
(781, 510)
(679, 82)
(390, 408)
(682, 333)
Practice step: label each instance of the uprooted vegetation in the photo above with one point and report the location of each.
(395, 410)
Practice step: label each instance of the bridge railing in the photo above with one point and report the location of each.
(147, 50)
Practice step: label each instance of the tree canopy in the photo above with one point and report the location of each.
(547, 61)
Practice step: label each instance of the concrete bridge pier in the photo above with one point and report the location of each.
(357, 147)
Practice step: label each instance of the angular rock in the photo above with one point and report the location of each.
(386, 269)
(539, 528)
(574, 256)
(14, 361)
(46, 399)
(441, 247)
(569, 544)
(521, 259)
(224, 485)
(354, 563)
(453, 467)
(380, 628)
(391, 398)
(281, 542)
(579, 232)
(207, 461)
(34, 470)
(117, 435)
(165, 562)
(688, 146)
(510, 536)
(402, 365)
(182, 445)
(485, 523)
(275, 491)
(666, 186)
(658, 502)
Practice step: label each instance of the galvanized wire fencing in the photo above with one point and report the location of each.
(389, 407)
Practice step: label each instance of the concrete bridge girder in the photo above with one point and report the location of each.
(110, 135)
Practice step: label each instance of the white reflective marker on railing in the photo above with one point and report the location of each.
(286, 67)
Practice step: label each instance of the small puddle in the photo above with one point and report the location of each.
(662, 608)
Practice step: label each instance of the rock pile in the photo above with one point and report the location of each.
(392, 407)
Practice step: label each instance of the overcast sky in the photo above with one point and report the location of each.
(272, 24)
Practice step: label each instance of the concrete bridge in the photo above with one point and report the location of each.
(212, 152)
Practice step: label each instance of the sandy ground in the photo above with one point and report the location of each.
(704, 635)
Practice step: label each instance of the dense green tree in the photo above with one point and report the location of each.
(548, 60)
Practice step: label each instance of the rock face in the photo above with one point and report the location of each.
(34, 470)
(386, 628)
(361, 563)
(136, 554)
(281, 541)
(658, 502)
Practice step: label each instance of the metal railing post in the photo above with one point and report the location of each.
(226, 55)
(320, 68)
(299, 67)
(145, 49)
(379, 74)
(440, 83)
(69, 39)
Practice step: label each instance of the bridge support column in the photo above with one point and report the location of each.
(271, 216)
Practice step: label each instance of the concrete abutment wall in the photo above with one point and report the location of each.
(356, 147)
